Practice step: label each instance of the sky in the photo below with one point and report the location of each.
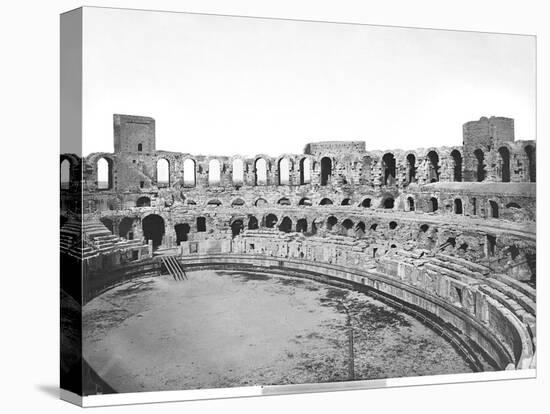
(220, 85)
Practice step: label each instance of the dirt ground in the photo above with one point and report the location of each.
(223, 329)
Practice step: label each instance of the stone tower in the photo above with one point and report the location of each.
(134, 134)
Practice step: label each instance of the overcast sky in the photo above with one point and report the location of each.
(230, 85)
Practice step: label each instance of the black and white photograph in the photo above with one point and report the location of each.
(269, 202)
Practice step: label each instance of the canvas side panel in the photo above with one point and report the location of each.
(71, 243)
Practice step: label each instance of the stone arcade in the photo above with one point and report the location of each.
(448, 232)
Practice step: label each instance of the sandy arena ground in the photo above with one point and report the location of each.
(223, 329)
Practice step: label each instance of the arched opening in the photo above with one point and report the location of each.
(305, 202)
(182, 232)
(65, 174)
(236, 227)
(104, 174)
(163, 173)
(392, 225)
(388, 166)
(107, 222)
(411, 168)
(480, 165)
(366, 203)
(286, 225)
(493, 206)
(331, 222)
(252, 223)
(143, 202)
(326, 202)
(126, 228)
(189, 173)
(326, 170)
(373, 226)
(457, 165)
(214, 202)
(238, 172)
(270, 221)
(284, 171)
(305, 171)
(513, 205)
(346, 202)
(388, 202)
(474, 206)
(238, 202)
(301, 225)
(214, 172)
(360, 229)
(347, 225)
(260, 171)
(504, 153)
(433, 205)
(433, 167)
(201, 224)
(458, 206)
(284, 201)
(424, 228)
(531, 163)
(140, 147)
(260, 202)
(153, 229)
(410, 202)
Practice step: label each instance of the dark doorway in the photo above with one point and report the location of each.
(236, 227)
(126, 228)
(531, 163)
(182, 232)
(494, 209)
(326, 170)
(480, 169)
(143, 202)
(301, 225)
(252, 223)
(505, 164)
(433, 172)
(458, 206)
(411, 166)
(270, 221)
(331, 222)
(388, 164)
(286, 225)
(433, 204)
(201, 224)
(389, 202)
(153, 229)
(457, 165)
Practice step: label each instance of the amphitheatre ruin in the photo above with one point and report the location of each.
(443, 235)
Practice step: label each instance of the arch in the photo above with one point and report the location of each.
(346, 202)
(238, 202)
(153, 229)
(163, 172)
(65, 174)
(325, 202)
(504, 167)
(410, 203)
(347, 225)
(284, 171)
(305, 202)
(104, 174)
(260, 202)
(493, 206)
(182, 232)
(143, 202)
(392, 225)
(513, 205)
(433, 205)
(366, 203)
(531, 163)
(388, 167)
(107, 222)
(126, 228)
(373, 226)
(301, 225)
(214, 172)
(360, 229)
(480, 165)
(457, 165)
(286, 225)
(388, 203)
(237, 175)
(458, 206)
(260, 172)
(424, 228)
(189, 173)
(236, 227)
(252, 223)
(201, 224)
(326, 170)
(284, 201)
(270, 221)
(214, 202)
(331, 222)
(411, 168)
(140, 147)
(305, 171)
(433, 166)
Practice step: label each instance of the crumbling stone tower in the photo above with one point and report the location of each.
(134, 133)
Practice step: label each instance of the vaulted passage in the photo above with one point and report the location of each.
(388, 166)
(126, 228)
(286, 225)
(270, 220)
(236, 227)
(301, 225)
(504, 164)
(457, 165)
(433, 205)
(433, 164)
(143, 202)
(388, 202)
(411, 168)
(326, 202)
(480, 166)
(182, 232)
(252, 223)
(326, 170)
(153, 229)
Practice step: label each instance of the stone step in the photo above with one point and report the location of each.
(474, 267)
